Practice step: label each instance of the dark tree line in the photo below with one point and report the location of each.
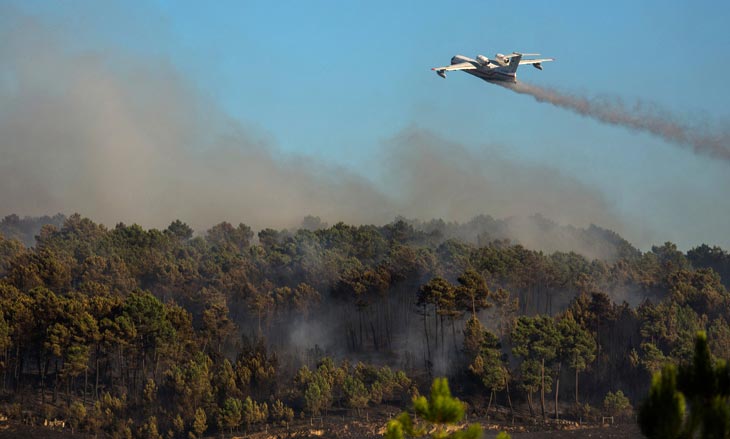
(162, 332)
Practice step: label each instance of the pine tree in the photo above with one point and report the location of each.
(616, 404)
(700, 388)
(356, 395)
(662, 414)
(578, 347)
(438, 411)
(280, 413)
(487, 363)
(199, 424)
(536, 340)
(230, 415)
(76, 415)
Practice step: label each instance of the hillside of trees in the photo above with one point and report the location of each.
(166, 333)
(27, 228)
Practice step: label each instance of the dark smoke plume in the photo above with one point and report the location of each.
(639, 117)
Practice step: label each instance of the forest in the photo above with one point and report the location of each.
(134, 332)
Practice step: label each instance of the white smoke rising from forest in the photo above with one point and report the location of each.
(122, 138)
(639, 116)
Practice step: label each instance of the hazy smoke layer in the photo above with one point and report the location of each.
(438, 178)
(123, 139)
(639, 117)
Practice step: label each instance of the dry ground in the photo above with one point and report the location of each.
(627, 431)
(347, 430)
(14, 431)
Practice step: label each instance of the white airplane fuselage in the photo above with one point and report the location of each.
(501, 68)
(488, 69)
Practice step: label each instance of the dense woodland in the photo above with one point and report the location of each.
(151, 333)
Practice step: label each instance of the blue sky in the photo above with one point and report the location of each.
(335, 80)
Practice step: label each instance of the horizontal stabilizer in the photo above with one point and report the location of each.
(536, 62)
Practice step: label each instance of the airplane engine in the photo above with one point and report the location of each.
(483, 60)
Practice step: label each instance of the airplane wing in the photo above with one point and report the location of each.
(537, 63)
(461, 66)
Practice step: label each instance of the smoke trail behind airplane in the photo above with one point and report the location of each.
(638, 117)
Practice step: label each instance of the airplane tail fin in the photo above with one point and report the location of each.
(514, 62)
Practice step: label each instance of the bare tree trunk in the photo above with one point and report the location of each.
(550, 304)
(557, 389)
(17, 364)
(428, 342)
(86, 382)
(157, 364)
(576, 388)
(42, 371)
(359, 314)
(96, 379)
(133, 384)
(5, 369)
(436, 335)
(388, 338)
(509, 401)
(143, 378)
(375, 339)
(121, 365)
(443, 334)
(55, 383)
(489, 405)
(542, 390)
(453, 335)
(19, 378)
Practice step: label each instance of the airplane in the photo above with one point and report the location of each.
(502, 68)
